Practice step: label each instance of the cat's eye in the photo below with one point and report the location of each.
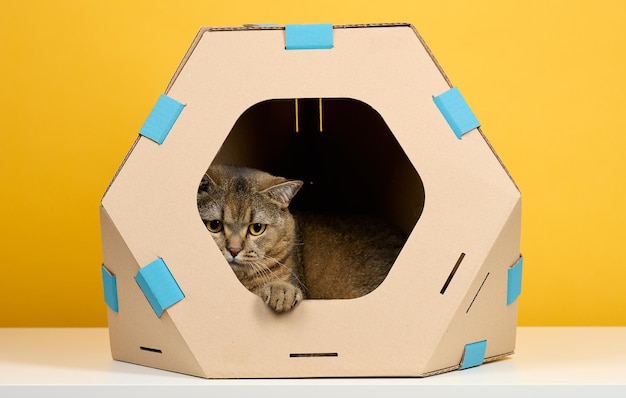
(256, 229)
(215, 226)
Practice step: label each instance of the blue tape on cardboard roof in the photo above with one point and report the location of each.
(109, 283)
(474, 354)
(161, 119)
(456, 111)
(159, 286)
(514, 281)
(309, 37)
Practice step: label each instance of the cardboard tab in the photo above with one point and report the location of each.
(309, 37)
(514, 282)
(162, 118)
(159, 286)
(474, 354)
(109, 283)
(456, 111)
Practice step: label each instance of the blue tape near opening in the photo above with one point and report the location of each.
(109, 283)
(474, 354)
(159, 286)
(514, 282)
(309, 37)
(457, 113)
(161, 119)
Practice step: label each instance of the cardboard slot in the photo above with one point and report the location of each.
(321, 113)
(155, 350)
(297, 116)
(454, 269)
(476, 295)
(313, 355)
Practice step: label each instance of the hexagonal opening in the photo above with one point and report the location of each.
(343, 151)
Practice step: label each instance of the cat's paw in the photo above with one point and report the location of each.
(281, 296)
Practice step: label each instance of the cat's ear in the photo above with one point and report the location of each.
(206, 184)
(283, 193)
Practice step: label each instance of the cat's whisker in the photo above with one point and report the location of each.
(265, 271)
(262, 271)
(283, 266)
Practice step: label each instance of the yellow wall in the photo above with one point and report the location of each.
(546, 79)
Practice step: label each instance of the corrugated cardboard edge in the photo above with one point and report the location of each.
(119, 168)
(445, 76)
(453, 368)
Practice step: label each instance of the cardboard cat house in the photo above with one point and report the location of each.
(364, 111)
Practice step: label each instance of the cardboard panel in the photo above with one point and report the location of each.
(483, 313)
(136, 335)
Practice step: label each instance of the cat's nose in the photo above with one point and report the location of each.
(234, 251)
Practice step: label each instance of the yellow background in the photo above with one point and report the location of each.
(545, 78)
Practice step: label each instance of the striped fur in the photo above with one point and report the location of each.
(296, 256)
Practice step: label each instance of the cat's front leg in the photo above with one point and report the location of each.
(281, 296)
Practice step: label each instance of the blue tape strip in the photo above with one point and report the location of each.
(474, 354)
(457, 113)
(309, 37)
(159, 286)
(514, 281)
(161, 119)
(109, 283)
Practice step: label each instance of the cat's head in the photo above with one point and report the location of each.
(246, 212)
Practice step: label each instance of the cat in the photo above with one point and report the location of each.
(284, 256)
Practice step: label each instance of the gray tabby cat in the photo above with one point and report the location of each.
(284, 257)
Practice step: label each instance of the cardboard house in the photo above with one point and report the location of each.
(363, 109)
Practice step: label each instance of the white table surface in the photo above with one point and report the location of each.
(67, 362)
